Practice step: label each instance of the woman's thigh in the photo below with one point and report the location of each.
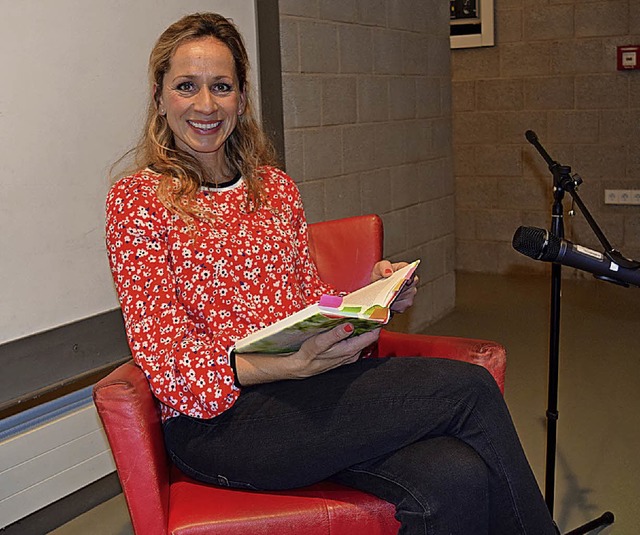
(294, 433)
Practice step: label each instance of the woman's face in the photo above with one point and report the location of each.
(202, 101)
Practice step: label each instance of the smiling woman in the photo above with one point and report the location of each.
(201, 99)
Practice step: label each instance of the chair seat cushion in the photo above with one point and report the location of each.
(197, 508)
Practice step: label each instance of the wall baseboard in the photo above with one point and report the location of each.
(46, 365)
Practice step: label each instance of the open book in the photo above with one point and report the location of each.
(366, 309)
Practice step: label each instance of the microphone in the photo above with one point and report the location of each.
(540, 244)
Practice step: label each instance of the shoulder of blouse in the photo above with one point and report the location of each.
(145, 178)
(140, 186)
(135, 190)
(269, 171)
(270, 174)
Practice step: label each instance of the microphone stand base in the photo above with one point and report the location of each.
(605, 519)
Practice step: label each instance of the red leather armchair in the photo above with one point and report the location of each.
(161, 500)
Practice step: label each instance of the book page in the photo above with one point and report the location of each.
(381, 292)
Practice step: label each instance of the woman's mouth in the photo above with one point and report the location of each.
(205, 127)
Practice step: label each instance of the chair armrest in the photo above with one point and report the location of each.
(490, 355)
(131, 420)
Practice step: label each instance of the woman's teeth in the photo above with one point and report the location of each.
(205, 126)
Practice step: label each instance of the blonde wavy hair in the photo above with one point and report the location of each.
(245, 149)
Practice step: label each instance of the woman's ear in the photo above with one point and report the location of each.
(157, 98)
(243, 103)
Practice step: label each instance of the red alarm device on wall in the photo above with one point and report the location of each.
(628, 57)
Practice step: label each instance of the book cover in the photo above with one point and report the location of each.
(366, 309)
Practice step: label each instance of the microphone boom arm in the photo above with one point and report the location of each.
(564, 181)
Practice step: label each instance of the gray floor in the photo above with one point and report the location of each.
(599, 401)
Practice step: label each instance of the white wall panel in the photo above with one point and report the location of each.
(41, 465)
(71, 102)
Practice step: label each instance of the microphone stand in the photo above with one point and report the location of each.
(564, 181)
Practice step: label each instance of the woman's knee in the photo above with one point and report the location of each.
(474, 378)
(458, 376)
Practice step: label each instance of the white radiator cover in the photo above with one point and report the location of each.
(48, 452)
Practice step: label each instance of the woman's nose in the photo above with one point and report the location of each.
(205, 102)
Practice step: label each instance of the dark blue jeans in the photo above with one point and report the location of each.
(432, 436)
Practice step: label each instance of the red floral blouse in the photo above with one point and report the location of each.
(186, 297)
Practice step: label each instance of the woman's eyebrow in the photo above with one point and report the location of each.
(195, 76)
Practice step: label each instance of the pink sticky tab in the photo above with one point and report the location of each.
(331, 301)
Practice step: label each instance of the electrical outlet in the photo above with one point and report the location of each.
(622, 196)
(625, 196)
(611, 196)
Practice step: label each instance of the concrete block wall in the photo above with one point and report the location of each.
(367, 116)
(553, 70)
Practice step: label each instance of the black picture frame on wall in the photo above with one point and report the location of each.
(471, 23)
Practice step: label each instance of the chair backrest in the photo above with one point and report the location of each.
(344, 250)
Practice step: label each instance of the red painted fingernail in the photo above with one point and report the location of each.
(348, 328)
(388, 271)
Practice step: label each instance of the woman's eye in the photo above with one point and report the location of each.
(222, 87)
(185, 86)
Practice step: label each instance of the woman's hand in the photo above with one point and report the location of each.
(318, 354)
(384, 269)
(330, 350)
